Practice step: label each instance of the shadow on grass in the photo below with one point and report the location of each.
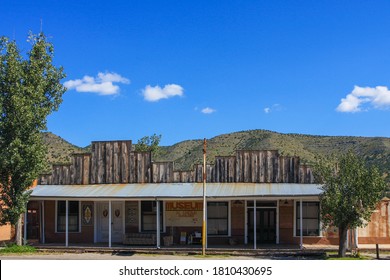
(354, 257)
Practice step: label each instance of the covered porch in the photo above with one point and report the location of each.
(169, 215)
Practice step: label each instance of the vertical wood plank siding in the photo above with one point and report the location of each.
(113, 162)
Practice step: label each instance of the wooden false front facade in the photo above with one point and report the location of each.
(114, 162)
(115, 195)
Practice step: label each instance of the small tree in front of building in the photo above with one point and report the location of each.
(351, 192)
(30, 90)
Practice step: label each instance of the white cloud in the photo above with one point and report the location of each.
(208, 110)
(154, 94)
(362, 98)
(274, 107)
(103, 84)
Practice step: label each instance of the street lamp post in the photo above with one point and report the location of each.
(204, 200)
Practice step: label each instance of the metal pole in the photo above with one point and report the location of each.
(204, 200)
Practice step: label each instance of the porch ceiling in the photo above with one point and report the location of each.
(174, 190)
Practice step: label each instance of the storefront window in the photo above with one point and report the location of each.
(217, 218)
(149, 216)
(73, 216)
(310, 219)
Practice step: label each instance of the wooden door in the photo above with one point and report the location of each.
(116, 221)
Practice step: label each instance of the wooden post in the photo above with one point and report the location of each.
(246, 222)
(43, 222)
(301, 224)
(277, 222)
(66, 223)
(158, 223)
(254, 225)
(377, 251)
(109, 223)
(25, 227)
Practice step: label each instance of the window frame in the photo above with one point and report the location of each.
(78, 216)
(297, 219)
(162, 216)
(228, 223)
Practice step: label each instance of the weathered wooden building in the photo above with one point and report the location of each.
(117, 195)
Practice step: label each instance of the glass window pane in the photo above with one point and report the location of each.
(217, 218)
(310, 219)
(73, 216)
(149, 216)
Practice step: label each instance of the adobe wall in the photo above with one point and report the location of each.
(6, 232)
(51, 236)
(378, 229)
(286, 222)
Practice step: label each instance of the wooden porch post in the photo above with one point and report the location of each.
(277, 221)
(158, 223)
(109, 223)
(301, 224)
(246, 223)
(25, 227)
(66, 223)
(43, 222)
(254, 225)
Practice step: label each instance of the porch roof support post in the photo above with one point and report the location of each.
(277, 221)
(356, 237)
(25, 226)
(66, 223)
(254, 225)
(43, 222)
(109, 224)
(246, 222)
(158, 224)
(301, 224)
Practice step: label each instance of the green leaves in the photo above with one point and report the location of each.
(149, 144)
(30, 89)
(351, 190)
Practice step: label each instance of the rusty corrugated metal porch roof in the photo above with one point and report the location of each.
(174, 191)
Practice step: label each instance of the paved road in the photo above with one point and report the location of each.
(99, 256)
(140, 256)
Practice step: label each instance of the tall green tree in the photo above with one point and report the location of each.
(149, 144)
(30, 90)
(351, 192)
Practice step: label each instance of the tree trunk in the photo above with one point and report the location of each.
(343, 230)
(18, 228)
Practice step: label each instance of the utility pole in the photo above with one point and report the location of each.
(204, 200)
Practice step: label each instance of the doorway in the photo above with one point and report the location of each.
(102, 225)
(265, 225)
(33, 219)
(32, 224)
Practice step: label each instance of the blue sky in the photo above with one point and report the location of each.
(197, 69)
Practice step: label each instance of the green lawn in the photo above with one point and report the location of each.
(15, 249)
